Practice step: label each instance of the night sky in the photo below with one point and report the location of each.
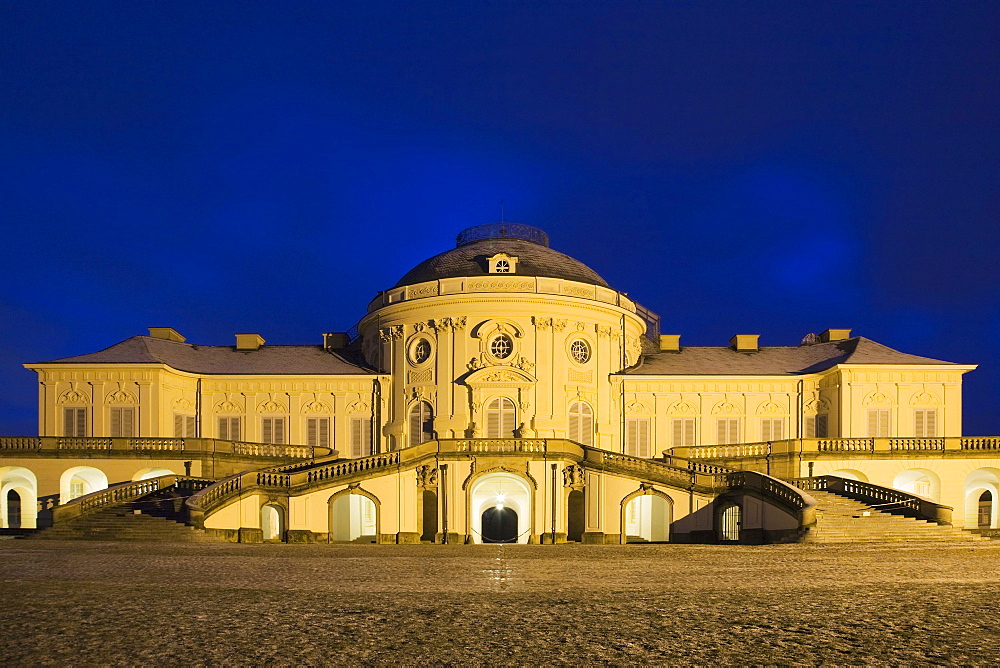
(751, 167)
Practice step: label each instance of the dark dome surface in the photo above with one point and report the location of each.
(533, 258)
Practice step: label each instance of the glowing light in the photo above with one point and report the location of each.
(500, 498)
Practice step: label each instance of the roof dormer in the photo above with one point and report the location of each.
(501, 263)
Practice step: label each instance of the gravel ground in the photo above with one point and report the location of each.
(88, 603)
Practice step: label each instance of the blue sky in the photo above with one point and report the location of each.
(770, 167)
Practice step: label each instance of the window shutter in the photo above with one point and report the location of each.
(234, 428)
(128, 421)
(631, 436)
(356, 437)
(81, 422)
(116, 421)
(642, 437)
(69, 422)
(224, 429)
(323, 437)
(722, 435)
(765, 430)
(878, 422)
(586, 424)
(776, 430)
(822, 426)
(266, 432)
(883, 423)
(734, 430)
(361, 437)
(179, 425)
(810, 426)
(689, 431)
(918, 423)
(311, 428)
(493, 419)
(678, 429)
(279, 430)
(930, 423)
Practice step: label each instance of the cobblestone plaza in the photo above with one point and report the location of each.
(89, 603)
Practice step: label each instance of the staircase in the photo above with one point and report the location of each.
(155, 517)
(843, 520)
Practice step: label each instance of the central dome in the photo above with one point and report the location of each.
(474, 245)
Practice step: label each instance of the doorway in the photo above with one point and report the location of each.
(499, 525)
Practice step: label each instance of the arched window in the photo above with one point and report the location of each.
(501, 418)
(581, 423)
(421, 423)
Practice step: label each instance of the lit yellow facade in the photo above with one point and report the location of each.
(522, 344)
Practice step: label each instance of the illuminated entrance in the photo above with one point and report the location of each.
(499, 525)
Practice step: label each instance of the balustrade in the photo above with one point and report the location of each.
(20, 443)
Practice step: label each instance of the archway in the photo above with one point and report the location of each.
(499, 524)
(429, 528)
(18, 498)
(575, 516)
(922, 482)
(982, 511)
(270, 522)
(500, 490)
(646, 518)
(850, 474)
(985, 510)
(146, 474)
(13, 509)
(729, 525)
(353, 517)
(80, 480)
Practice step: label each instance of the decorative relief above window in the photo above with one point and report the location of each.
(420, 351)
(501, 346)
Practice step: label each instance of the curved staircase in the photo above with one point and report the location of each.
(153, 517)
(843, 520)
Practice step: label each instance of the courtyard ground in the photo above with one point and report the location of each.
(90, 603)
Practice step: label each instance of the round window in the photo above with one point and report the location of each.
(580, 351)
(501, 346)
(421, 351)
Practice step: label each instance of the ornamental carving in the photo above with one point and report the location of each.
(73, 397)
(503, 285)
(541, 324)
(316, 407)
(228, 406)
(574, 477)
(503, 377)
(422, 291)
(637, 407)
(604, 331)
(579, 376)
(393, 333)
(877, 398)
(817, 406)
(577, 291)
(924, 399)
(726, 408)
(358, 407)
(427, 476)
(769, 408)
(182, 404)
(422, 376)
(121, 397)
(682, 408)
(272, 406)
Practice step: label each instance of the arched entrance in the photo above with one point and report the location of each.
(985, 510)
(850, 474)
(500, 492)
(13, 509)
(80, 480)
(646, 516)
(575, 516)
(499, 524)
(18, 498)
(922, 482)
(353, 518)
(270, 522)
(146, 474)
(729, 524)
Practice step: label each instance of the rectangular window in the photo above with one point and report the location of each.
(229, 428)
(771, 429)
(728, 430)
(878, 422)
(123, 422)
(361, 437)
(183, 426)
(684, 432)
(272, 430)
(817, 426)
(75, 422)
(637, 437)
(924, 423)
(318, 432)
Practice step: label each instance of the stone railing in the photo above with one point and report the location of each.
(183, 447)
(947, 446)
(647, 468)
(498, 445)
(350, 467)
(122, 492)
(881, 498)
(776, 489)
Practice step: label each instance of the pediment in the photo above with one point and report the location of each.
(499, 376)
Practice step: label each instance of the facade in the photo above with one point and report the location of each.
(512, 380)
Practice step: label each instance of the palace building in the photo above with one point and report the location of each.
(502, 391)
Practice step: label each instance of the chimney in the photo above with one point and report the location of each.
(334, 340)
(670, 343)
(834, 335)
(249, 341)
(745, 343)
(166, 333)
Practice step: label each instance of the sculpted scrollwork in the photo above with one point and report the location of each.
(573, 476)
(73, 397)
(726, 408)
(121, 397)
(427, 476)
